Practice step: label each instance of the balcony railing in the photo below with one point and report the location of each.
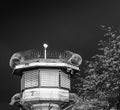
(38, 55)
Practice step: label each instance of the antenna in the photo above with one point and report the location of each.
(45, 47)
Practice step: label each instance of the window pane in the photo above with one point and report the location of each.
(49, 78)
(65, 80)
(31, 78)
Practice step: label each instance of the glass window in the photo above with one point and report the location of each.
(49, 78)
(64, 80)
(31, 78)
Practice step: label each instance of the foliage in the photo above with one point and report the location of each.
(102, 74)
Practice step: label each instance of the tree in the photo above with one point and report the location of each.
(102, 79)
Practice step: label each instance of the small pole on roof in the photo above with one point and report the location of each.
(45, 53)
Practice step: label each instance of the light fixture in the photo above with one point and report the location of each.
(45, 45)
(45, 52)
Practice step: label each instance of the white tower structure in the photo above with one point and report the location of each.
(45, 79)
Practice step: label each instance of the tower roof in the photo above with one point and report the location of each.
(35, 59)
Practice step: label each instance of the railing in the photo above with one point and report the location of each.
(34, 54)
(38, 55)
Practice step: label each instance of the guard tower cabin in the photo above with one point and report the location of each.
(45, 77)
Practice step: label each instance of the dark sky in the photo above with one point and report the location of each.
(73, 26)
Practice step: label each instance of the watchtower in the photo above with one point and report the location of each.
(45, 78)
